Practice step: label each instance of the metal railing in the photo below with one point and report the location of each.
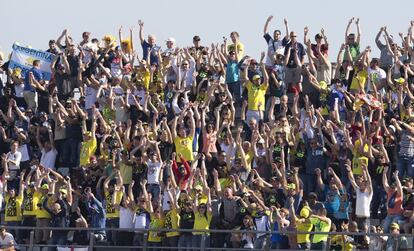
(202, 246)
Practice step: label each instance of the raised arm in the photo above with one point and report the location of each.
(266, 26)
(351, 177)
(141, 31)
(358, 38)
(347, 29)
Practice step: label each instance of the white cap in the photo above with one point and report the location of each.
(170, 39)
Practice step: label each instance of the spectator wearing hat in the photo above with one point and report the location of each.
(256, 90)
(171, 44)
(197, 44)
(396, 242)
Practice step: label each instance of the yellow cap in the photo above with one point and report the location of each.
(305, 212)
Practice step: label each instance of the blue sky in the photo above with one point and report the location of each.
(35, 22)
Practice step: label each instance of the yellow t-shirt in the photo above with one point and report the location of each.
(172, 221)
(156, 223)
(111, 211)
(30, 203)
(303, 227)
(87, 150)
(126, 172)
(13, 208)
(240, 49)
(358, 159)
(41, 213)
(201, 222)
(256, 95)
(184, 146)
(359, 79)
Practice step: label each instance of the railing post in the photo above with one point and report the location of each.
(91, 240)
(203, 242)
(395, 243)
(31, 240)
(267, 242)
(145, 242)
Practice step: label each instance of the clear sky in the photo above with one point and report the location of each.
(35, 22)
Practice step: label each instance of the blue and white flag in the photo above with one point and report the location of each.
(23, 57)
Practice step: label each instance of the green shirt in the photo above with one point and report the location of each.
(320, 226)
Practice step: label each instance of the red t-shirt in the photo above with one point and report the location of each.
(394, 203)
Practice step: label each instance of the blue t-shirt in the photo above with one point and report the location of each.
(232, 72)
(332, 200)
(38, 75)
(153, 52)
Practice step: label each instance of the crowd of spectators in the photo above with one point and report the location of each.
(205, 137)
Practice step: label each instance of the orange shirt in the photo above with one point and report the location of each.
(395, 200)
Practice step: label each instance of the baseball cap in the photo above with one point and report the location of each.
(305, 212)
(395, 225)
(255, 77)
(170, 39)
(45, 186)
(291, 186)
(399, 80)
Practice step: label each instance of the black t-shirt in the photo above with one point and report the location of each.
(187, 221)
(73, 61)
(74, 130)
(165, 150)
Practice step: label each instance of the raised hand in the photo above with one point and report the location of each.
(269, 19)
(141, 23)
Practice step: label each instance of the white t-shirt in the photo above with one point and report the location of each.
(90, 97)
(17, 156)
(48, 158)
(187, 76)
(363, 203)
(141, 221)
(153, 172)
(18, 89)
(126, 218)
(374, 76)
(7, 241)
(25, 152)
(274, 47)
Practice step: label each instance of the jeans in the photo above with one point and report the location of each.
(57, 239)
(389, 220)
(309, 183)
(171, 242)
(71, 152)
(184, 243)
(112, 235)
(362, 222)
(379, 199)
(196, 241)
(154, 190)
(319, 245)
(260, 242)
(405, 166)
(235, 90)
(44, 234)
